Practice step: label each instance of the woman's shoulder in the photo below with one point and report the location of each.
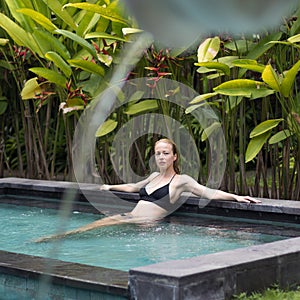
(183, 178)
(153, 175)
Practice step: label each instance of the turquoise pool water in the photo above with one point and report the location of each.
(117, 247)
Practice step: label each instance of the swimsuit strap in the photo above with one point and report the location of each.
(172, 178)
(157, 176)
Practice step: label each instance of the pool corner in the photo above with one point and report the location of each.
(220, 275)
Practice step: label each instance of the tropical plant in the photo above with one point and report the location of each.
(57, 56)
(246, 77)
(64, 52)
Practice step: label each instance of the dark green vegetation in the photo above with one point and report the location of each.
(57, 56)
(271, 294)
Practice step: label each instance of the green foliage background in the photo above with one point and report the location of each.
(57, 56)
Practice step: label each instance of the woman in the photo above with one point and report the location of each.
(160, 192)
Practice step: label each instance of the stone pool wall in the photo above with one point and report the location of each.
(29, 277)
(220, 275)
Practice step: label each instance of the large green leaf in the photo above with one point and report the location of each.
(215, 66)
(141, 107)
(50, 75)
(88, 66)
(51, 43)
(135, 97)
(226, 60)
(255, 145)
(39, 6)
(76, 38)
(264, 127)
(249, 64)
(261, 93)
(209, 130)
(17, 33)
(280, 136)
(59, 62)
(289, 79)
(240, 46)
(238, 87)
(103, 35)
(270, 77)
(294, 39)
(105, 12)
(192, 108)
(203, 97)
(57, 8)
(31, 89)
(26, 23)
(86, 21)
(38, 18)
(209, 49)
(261, 48)
(107, 127)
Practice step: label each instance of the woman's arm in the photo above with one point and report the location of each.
(221, 195)
(197, 189)
(128, 187)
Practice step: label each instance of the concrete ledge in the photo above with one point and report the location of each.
(269, 209)
(220, 275)
(64, 274)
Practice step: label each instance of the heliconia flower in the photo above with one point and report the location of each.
(161, 74)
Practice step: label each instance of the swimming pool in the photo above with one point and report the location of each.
(216, 275)
(126, 246)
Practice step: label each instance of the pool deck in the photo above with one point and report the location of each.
(214, 276)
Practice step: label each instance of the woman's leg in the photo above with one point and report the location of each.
(108, 221)
(143, 212)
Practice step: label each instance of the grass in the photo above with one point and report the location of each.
(271, 294)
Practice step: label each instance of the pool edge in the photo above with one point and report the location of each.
(64, 273)
(220, 275)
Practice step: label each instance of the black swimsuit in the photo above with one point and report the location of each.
(157, 194)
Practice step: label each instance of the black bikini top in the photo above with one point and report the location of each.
(157, 194)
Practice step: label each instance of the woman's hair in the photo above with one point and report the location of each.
(175, 151)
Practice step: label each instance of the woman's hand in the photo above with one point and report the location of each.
(105, 187)
(246, 199)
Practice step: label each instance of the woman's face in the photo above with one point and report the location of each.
(164, 155)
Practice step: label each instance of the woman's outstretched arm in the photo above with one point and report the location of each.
(128, 187)
(197, 189)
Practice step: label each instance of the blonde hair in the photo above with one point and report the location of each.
(174, 150)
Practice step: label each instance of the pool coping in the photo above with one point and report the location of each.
(272, 209)
(64, 273)
(214, 276)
